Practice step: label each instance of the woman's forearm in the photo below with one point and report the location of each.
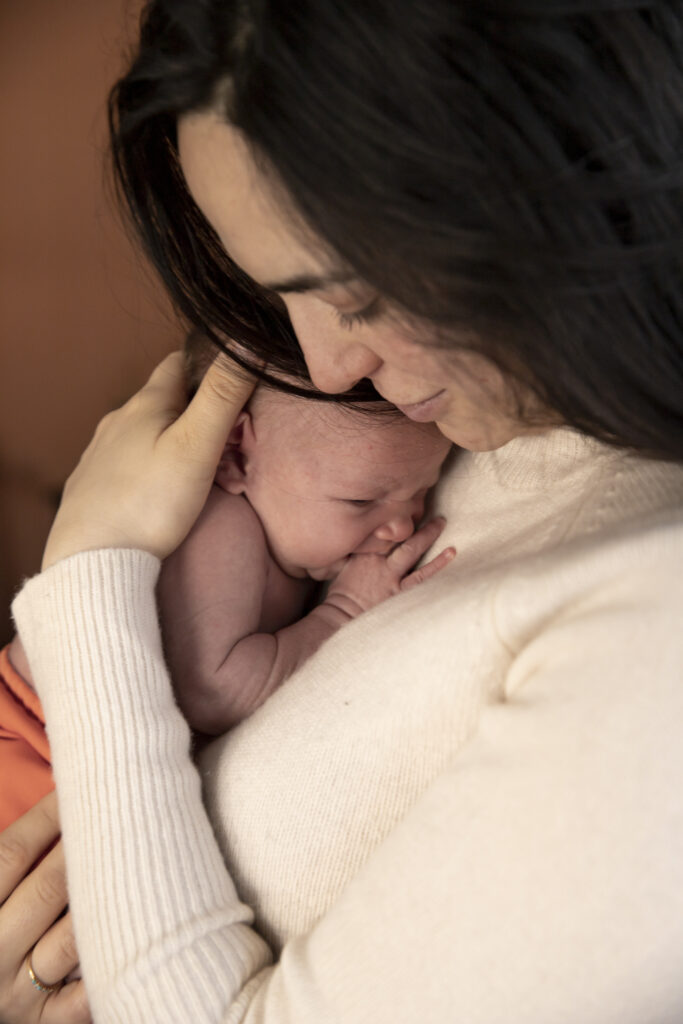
(154, 907)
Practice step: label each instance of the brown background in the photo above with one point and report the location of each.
(82, 319)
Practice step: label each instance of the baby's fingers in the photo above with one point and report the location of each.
(425, 572)
(405, 555)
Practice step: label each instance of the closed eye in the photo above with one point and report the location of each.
(359, 502)
(363, 316)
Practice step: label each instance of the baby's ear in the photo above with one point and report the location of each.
(231, 474)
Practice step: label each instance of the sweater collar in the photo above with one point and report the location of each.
(536, 461)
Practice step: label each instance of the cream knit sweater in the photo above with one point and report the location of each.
(467, 807)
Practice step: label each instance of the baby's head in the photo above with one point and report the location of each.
(327, 480)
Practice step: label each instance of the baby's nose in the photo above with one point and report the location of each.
(396, 529)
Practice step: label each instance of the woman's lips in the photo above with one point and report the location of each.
(424, 411)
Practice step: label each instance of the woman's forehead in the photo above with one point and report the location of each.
(256, 225)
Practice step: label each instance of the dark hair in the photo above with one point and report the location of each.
(508, 171)
(199, 351)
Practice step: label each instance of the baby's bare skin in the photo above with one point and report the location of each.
(222, 597)
(305, 492)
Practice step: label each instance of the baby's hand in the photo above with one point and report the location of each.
(366, 580)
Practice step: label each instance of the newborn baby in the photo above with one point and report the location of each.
(306, 491)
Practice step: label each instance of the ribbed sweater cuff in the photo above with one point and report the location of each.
(156, 915)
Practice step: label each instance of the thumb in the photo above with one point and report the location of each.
(211, 415)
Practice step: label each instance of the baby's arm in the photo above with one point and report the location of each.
(211, 593)
(365, 581)
(210, 596)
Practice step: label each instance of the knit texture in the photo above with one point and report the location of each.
(465, 807)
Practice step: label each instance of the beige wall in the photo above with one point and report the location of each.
(82, 321)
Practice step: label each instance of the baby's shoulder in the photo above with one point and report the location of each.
(232, 521)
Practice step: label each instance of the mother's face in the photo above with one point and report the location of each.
(343, 328)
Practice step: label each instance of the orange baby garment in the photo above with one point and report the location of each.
(25, 772)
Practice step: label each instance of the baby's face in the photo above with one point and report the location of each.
(327, 484)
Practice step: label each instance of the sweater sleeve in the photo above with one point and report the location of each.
(161, 932)
(537, 879)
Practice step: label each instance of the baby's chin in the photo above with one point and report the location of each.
(319, 573)
(327, 572)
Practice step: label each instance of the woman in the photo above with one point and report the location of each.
(466, 806)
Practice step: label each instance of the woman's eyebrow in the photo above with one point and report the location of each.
(310, 282)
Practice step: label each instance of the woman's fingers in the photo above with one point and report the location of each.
(68, 1006)
(33, 893)
(36, 903)
(165, 386)
(25, 840)
(144, 478)
(210, 416)
(55, 955)
(170, 369)
(28, 1005)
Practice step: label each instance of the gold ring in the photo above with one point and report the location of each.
(35, 980)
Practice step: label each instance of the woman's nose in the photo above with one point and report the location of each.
(335, 361)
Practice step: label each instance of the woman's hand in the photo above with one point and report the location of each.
(144, 477)
(31, 929)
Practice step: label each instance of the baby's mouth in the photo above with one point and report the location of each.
(380, 547)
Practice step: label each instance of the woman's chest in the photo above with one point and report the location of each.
(303, 791)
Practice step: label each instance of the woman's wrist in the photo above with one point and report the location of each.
(77, 605)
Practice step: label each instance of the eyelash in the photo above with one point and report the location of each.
(360, 502)
(363, 316)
